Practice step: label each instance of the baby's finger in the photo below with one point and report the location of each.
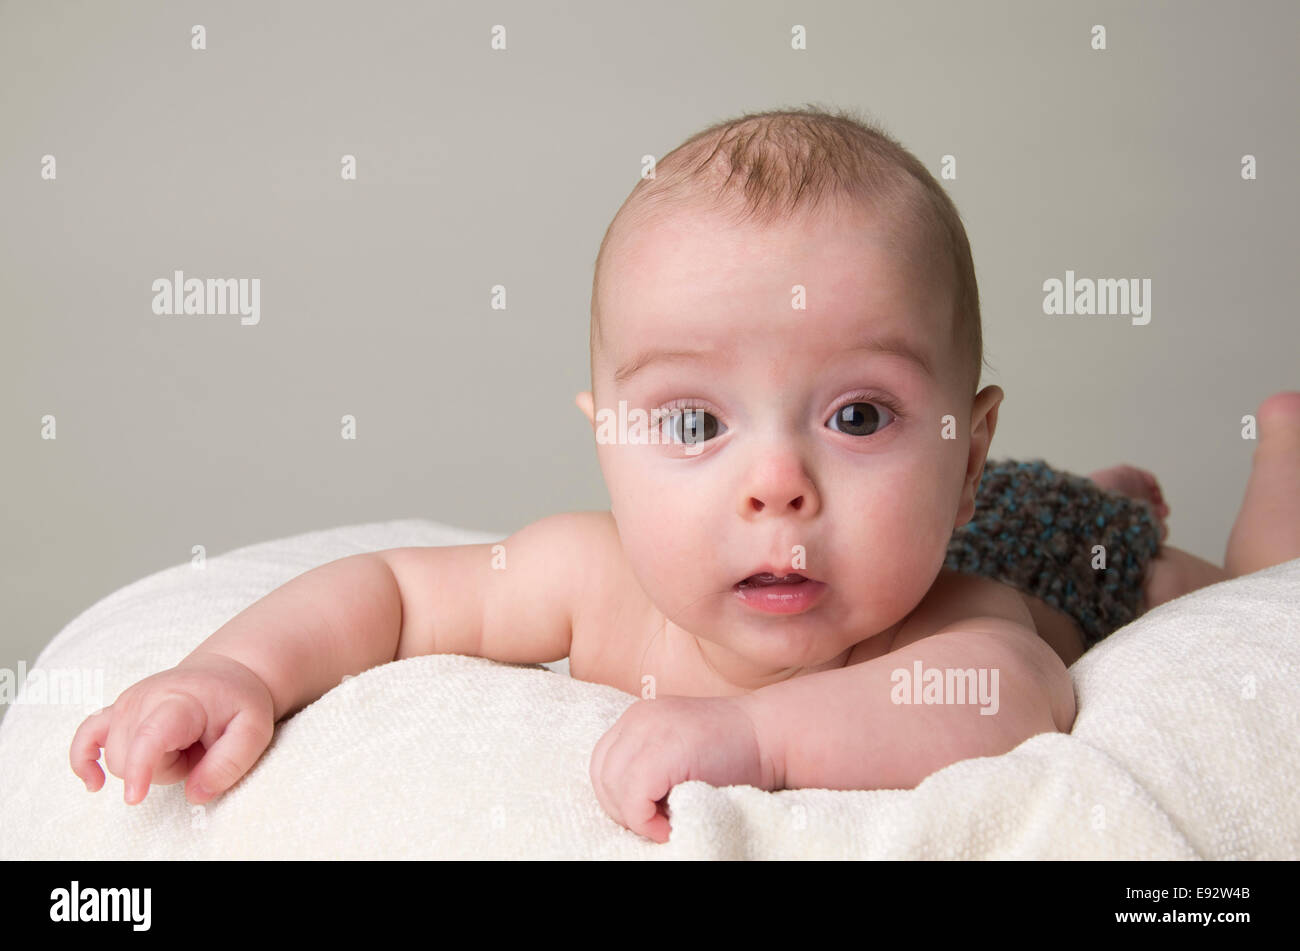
(173, 725)
(644, 789)
(598, 753)
(604, 798)
(234, 753)
(600, 774)
(86, 744)
(657, 828)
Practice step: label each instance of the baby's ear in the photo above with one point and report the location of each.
(586, 404)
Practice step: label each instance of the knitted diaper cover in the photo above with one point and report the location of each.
(1035, 529)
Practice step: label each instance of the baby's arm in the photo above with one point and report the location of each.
(510, 601)
(842, 729)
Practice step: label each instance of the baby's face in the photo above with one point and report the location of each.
(810, 439)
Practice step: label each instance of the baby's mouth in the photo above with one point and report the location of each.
(770, 593)
(767, 579)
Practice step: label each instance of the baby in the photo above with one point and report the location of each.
(787, 313)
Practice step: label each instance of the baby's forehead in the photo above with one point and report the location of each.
(767, 344)
(658, 244)
(690, 273)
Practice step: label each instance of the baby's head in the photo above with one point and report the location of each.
(795, 292)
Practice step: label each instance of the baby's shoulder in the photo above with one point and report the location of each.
(611, 613)
(594, 535)
(955, 596)
(586, 546)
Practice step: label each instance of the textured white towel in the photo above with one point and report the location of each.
(1185, 746)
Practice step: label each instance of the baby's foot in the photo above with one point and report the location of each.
(1136, 484)
(1267, 529)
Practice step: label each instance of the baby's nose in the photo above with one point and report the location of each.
(779, 485)
(758, 505)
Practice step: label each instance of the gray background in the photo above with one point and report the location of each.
(479, 167)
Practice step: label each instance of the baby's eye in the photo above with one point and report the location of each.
(690, 426)
(859, 418)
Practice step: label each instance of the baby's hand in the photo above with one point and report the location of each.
(657, 744)
(209, 717)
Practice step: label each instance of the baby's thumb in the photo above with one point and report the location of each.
(230, 757)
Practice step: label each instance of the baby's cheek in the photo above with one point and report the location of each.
(911, 521)
(934, 527)
(917, 546)
(658, 543)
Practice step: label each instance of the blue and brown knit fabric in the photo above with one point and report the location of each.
(1034, 528)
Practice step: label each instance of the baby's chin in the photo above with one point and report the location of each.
(778, 625)
(778, 642)
(783, 651)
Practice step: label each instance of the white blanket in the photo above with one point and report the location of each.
(1185, 746)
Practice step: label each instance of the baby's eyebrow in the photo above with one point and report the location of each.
(899, 347)
(643, 360)
(884, 343)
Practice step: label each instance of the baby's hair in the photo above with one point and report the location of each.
(766, 166)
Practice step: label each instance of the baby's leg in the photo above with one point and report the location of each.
(1061, 632)
(1173, 572)
(1267, 530)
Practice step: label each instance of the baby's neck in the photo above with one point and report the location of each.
(722, 672)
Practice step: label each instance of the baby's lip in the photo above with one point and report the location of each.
(771, 574)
